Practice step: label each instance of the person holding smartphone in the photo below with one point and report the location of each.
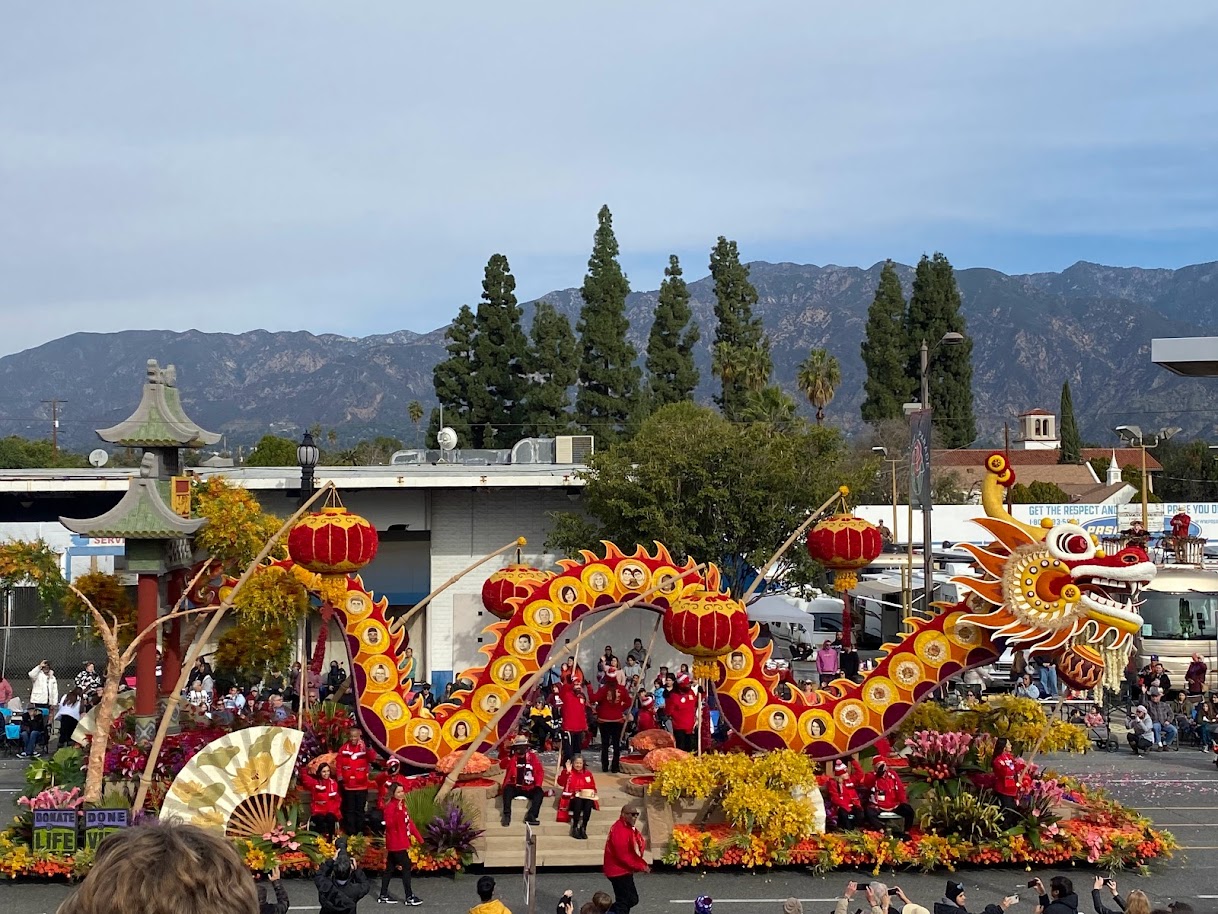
(877, 905)
(1097, 900)
(277, 905)
(954, 900)
(566, 904)
(1060, 899)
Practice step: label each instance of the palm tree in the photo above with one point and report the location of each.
(749, 365)
(770, 406)
(414, 410)
(819, 376)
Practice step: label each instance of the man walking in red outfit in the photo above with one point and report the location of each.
(623, 858)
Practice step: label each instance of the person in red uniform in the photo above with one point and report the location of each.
(574, 716)
(645, 717)
(1006, 774)
(681, 705)
(353, 770)
(887, 796)
(623, 858)
(385, 782)
(574, 779)
(325, 805)
(399, 832)
(522, 777)
(845, 805)
(612, 702)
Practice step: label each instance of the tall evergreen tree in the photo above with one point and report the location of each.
(1072, 442)
(738, 330)
(934, 309)
(552, 369)
(608, 376)
(888, 386)
(672, 374)
(453, 379)
(500, 348)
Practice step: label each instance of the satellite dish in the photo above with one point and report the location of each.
(98, 457)
(447, 439)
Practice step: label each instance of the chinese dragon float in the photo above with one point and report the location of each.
(1049, 588)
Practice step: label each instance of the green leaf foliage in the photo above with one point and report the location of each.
(1071, 441)
(1190, 472)
(1038, 493)
(819, 376)
(934, 309)
(18, 453)
(739, 335)
(671, 372)
(273, 451)
(888, 386)
(552, 370)
(498, 370)
(709, 488)
(608, 376)
(453, 379)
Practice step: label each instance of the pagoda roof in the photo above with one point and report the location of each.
(141, 514)
(159, 420)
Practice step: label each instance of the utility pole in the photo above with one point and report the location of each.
(55, 424)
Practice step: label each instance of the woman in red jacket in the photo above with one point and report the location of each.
(612, 702)
(1006, 774)
(579, 788)
(845, 806)
(574, 716)
(399, 831)
(681, 705)
(326, 804)
(645, 717)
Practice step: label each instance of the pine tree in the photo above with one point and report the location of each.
(552, 369)
(500, 347)
(672, 374)
(1071, 441)
(887, 387)
(608, 376)
(738, 331)
(453, 379)
(934, 309)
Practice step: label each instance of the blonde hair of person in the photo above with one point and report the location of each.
(165, 868)
(1137, 903)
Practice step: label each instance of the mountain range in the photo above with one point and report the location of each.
(1090, 325)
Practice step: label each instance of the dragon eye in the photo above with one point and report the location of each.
(1070, 542)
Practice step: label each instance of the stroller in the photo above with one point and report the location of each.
(1099, 730)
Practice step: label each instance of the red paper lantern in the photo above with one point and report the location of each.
(508, 582)
(705, 624)
(844, 543)
(332, 541)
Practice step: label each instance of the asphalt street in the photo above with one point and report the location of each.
(1178, 790)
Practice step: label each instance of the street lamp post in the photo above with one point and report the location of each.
(307, 455)
(907, 567)
(1133, 435)
(951, 338)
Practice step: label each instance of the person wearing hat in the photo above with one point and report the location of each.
(574, 716)
(645, 716)
(624, 857)
(887, 797)
(1141, 736)
(612, 704)
(845, 805)
(541, 721)
(792, 906)
(682, 706)
(1162, 718)
(702, 904)
(954, 899)
(523, 776)
(387, 780)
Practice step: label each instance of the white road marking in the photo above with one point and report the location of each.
(747, 900)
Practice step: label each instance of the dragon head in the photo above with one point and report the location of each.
(1052, 589)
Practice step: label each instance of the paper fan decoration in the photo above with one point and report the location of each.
(236, 784)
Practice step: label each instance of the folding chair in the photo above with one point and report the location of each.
(12, 738)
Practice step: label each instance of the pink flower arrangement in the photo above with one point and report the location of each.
(54, 798)
(939, 755)
(281, 839)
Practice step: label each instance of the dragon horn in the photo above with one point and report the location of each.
(999, 476)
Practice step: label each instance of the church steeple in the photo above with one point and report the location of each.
(1114, 471)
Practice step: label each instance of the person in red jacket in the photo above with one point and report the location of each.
(325, 805)
(575, 779)
(399, 832)
(845, 805)
(888, 797)
(386, 780)
(523, 776)
(623, 858)
(645, 717)
(681, 705)
(1006, 774)
(353, 769)
(612, 702)
(574, 716)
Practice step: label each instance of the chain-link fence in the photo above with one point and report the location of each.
(31, 634)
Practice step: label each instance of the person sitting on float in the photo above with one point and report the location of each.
(845, 804)
(888, 798)
(579, 790)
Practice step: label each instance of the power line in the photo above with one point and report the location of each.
(55, 424)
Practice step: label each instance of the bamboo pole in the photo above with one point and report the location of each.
(650, 644)
(815, 515)
(403, 620)
(174, 699)
(557, 654)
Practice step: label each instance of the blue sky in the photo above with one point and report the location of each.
(349, 168)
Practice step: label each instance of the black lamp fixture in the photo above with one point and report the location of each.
(307, 455)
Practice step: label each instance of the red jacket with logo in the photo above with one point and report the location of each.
(843, 795)
(646, 719)
(682, 706)
(386, 782)
(398, 828)
(512, 766)
(323, 793)
(1005, 779)
(574, 709)
(612, 702)
(887, 790)
(353, 766)
(624, 850)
